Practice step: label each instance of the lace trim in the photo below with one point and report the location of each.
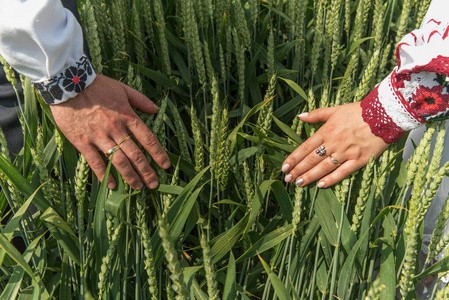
(395, 105)
(67, 84)
(381, 124)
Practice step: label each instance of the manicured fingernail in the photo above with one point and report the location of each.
(285, 168)
(304, 114)
(299, 182)
(154, 184)
(288, 178)
(166, 164)
(321, 184)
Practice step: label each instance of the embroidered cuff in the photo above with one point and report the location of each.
(428, 95)
(387, 112)
(67, 84)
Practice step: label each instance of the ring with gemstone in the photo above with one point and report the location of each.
(321, 151)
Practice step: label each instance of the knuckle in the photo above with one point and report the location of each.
(307, 147)
(137, 157)
(328, 164)
(344, 172)
(329, 128)
(151, 140)
(311, 159)
(120, 161)
(97, 165)
(114, 125)
(131, 119)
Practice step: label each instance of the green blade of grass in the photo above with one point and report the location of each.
(266, 242)
(14, 283)
(100, 233)
(16, 256)
(229, 287)
(278, 286)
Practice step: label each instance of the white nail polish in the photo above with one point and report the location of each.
(288, 178)
(321, 184)
(285, 168)
(304, 114)
(299, 182)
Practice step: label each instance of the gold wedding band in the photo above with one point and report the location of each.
(334, 160)
(116, 147)
(111, 151)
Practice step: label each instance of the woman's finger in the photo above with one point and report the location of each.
(309, 146)
(340, 173)
(309, 162)
(318, 115)
(314, 172)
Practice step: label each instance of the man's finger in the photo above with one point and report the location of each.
(149, 141)
(140, 101)
(97, 165)
(140, 163)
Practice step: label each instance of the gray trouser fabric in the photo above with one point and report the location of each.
(9, 121)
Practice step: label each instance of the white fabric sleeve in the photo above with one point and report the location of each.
(43, 41)
(417, 91)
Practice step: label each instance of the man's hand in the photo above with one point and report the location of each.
(348, 143)
(99, 118)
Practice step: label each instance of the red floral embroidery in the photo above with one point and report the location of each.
(71, 81)
(76, 79)
(429, 101)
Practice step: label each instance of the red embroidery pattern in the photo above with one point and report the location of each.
(429, 101)
(427, 96)
(433, 20)
(439, 64)
(71, 80)
(380, 123)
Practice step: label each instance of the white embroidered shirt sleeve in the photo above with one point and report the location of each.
(43, 41)
(416, 91)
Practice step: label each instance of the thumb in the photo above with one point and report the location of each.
(318, 115)
(140, 101)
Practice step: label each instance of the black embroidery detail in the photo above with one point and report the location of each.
(430, 100)
(71, 81)
(441, 80)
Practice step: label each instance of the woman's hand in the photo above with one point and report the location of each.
(100, 118)
(348, 145)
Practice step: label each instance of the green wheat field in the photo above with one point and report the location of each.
(230, 77)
